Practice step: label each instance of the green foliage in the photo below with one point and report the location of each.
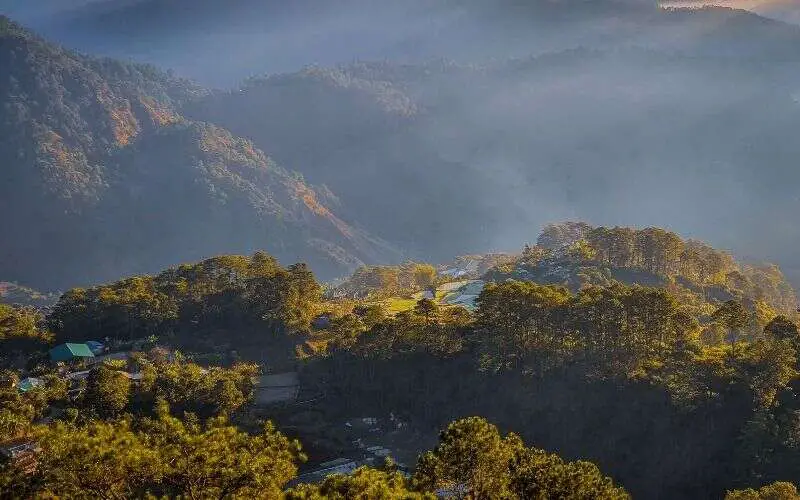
(363, 484)
(20, 323)
(605, 364)
(188, 387)
(538, 475)
(558, 236)
(217, 460)
(775, 491)
(18, 410)
(164, 456)
(381, 282)
(782, 328)
(101, 460)
(618, 329)
(472, 459)
(222, 299)
(578, 255)
(184, 386)
(107, 391)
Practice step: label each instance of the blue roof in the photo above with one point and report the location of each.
(27, 384)
(68, 352)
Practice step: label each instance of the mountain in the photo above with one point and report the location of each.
(787, 11)
(689, 126)
(12, 293)
(699, 143)
(102, 175)
(247, 37)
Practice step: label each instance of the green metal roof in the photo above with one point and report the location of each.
(67, 352)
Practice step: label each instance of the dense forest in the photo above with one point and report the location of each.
(670, 398)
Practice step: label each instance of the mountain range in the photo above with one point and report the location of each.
(250, 37)
(678, 118)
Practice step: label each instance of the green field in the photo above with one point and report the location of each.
(444, 294)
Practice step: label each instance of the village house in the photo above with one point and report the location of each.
(29, 383)
(21, 451)
(67, 353)
(325, 469)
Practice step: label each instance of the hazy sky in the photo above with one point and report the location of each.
(784, 10)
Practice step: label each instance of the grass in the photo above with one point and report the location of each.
(400, 304)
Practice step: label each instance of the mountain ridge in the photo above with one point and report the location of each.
(96, 145)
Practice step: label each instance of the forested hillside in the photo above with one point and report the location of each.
(577, 255)
(98, 161)
(624, 375)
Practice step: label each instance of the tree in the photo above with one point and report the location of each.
(424, 276)
(427, 309)
(101, 460)
(471, 457)
(767, 367)
(217, 460)
(472, 460)
(733, 315)
(782, 328)
(774, 491)
(107, 391)
(187, 387)
(537, 475)
(162, 456)
(557, 236)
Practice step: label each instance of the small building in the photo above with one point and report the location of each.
(379, 451)
(70, 352)
(29, 383)
(321, 322)
(116, 356)
(96, 347)
(277, 388)
(22, 452)
(77, 376)
(323, 470)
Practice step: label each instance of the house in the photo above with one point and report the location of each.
(77, 376)
(95, 346)
(277, 388)
(379, 451)
(321, 322)
(338, 466)
(22, 452)
(29, 383)
(70, 352)
(116, 356)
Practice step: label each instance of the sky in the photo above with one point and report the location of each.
(782, 10)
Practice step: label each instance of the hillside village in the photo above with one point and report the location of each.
(364, 372)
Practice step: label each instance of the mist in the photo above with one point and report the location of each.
(617, 113)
